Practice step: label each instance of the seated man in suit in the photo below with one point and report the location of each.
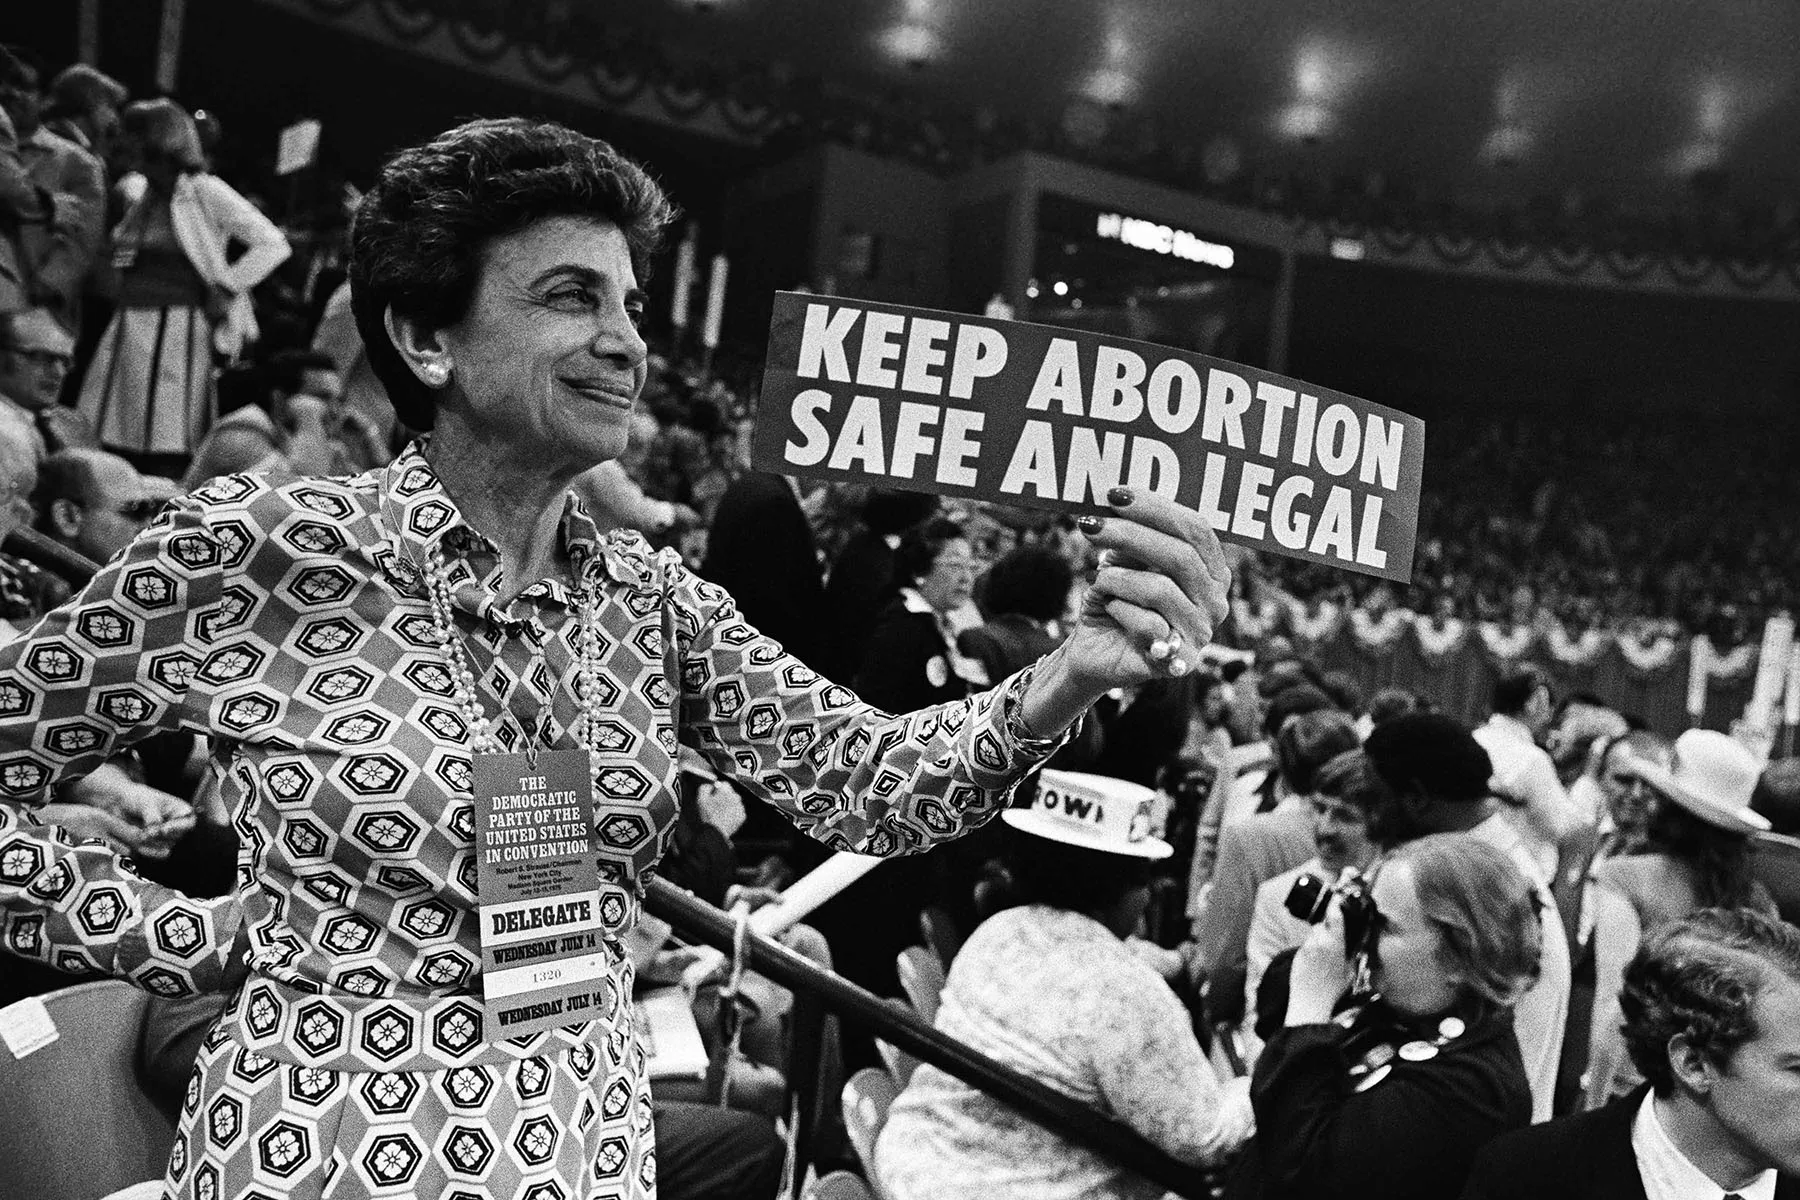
(1712, 1020)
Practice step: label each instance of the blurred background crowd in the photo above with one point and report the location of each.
(165, 319)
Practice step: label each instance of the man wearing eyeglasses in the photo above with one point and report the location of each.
(36, 353)
(95, 502)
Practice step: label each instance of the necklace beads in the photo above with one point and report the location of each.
(481, 738)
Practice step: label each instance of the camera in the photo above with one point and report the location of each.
(1310, 899)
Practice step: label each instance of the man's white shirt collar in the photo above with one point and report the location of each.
(1668, 1174)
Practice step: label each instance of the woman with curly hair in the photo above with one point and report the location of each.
(363, 652)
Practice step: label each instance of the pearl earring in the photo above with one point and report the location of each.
(436, 374)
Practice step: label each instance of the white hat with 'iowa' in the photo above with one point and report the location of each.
(1094, 812)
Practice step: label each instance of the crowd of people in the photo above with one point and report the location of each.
(1315, 942)
(118, 232)
(1525, 519)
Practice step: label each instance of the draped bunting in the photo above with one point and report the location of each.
(1671, 682)
(553, 40)
(1569, 256)
(1440, 638)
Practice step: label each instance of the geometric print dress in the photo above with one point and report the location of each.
(290, 624)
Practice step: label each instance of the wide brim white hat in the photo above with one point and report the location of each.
(1713, 777)
(1094, 812)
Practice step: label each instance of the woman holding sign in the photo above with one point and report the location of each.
(438, 696)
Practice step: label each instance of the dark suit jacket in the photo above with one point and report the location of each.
(860, 587)
(896, 675)
(761, 550)
(1586, 1156)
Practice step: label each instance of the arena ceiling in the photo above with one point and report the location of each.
(1635, 103)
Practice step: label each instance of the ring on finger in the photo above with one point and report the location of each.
(1166, 647)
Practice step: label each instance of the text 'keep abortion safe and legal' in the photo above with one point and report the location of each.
(1054, 418)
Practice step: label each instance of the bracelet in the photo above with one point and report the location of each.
(1013, 718)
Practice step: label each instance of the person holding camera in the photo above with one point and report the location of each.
(1345, 791)
(1396, 1061)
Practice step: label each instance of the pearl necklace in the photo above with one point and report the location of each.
(481, 738)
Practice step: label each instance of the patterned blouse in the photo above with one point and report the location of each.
(1058, 996)
(291, 624)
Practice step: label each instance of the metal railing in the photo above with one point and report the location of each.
(72, 568)
(700, 922)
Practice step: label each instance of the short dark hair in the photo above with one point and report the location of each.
(1033, 581)
(287, 369)
(1352, 778)
(1777, 795)
(79, 89)
(1433, 754)
(1308, 742)
(920, 546)
(162, 133)
(1391, 702)
(1284, 673)
(68, 474)
(1344, 691)
(1514, 689)
(887, 511)
(1058, 875)
(418, 236)
(1698, 978)
(1292, 702)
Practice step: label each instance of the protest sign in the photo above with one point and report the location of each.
(298, 147)
(1045, 417)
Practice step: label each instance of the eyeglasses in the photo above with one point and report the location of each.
(42, 358)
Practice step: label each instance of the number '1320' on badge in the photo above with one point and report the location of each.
(538, 879)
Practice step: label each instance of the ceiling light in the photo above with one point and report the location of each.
(1305, 121)
(914, 45)
(1110, 86)
(1060, 288)
(1695, 157)
(1505, 146)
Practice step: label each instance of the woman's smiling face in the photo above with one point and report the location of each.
(548, 361)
